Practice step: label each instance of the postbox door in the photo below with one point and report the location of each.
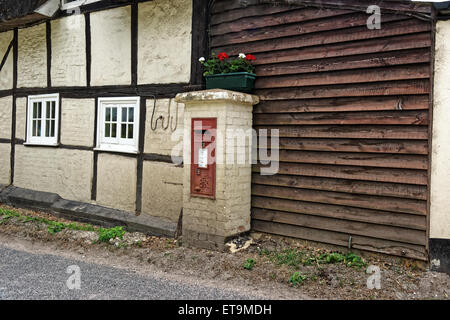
(203, 163)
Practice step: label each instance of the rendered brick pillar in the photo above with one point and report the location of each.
(210, 222)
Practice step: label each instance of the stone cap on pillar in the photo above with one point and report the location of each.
(217, 95)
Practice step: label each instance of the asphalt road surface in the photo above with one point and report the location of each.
(28, 276)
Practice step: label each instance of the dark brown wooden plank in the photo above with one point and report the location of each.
(232, 34)
(276, 19)
(344, 118)
(394, 43)
(339, 225)
(221, 6)
(344, 104)
(380, 218)
(416, 222)
(407, 176)
(393, 73)
(350, 132)
(411, 87)
(362, 5)
(353, 159)
(372, 60)
(342, 239)
(345, 186)
(253, 11)
(352, 145)
(345, 35)
(416, 207)
(394, 5)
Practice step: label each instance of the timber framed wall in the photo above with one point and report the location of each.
(68, 55)
(352, 106)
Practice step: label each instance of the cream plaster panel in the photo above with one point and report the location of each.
(32, 60)
(111, 47)
(5, 117)
(160, 141)
(162, 190)
(5, 163)
(77, 122)
(21, 118)
(6, 74)
(116, 182)
(440, 165)
(164, 39)
(68, 51)
(65, 172)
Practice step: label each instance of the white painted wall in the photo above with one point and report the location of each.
(65, 172)
(5, 117)
(164, 39)
(440, 165)
(6, 74)
(68, 51)
(77, 122)
(5, 163)
(111, 47)
(32, 60)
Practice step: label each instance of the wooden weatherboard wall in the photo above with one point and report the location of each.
(352, 107)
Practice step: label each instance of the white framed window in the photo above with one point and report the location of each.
(118, 124)
(70, 4)
(43, 119)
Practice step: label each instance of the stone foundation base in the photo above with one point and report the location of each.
(203, 240)
(85, 212)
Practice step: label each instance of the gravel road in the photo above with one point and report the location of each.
(30, 276)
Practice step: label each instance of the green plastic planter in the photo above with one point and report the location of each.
(238, 81)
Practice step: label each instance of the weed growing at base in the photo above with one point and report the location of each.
(297, 279)
(104, 235)
(296, 258)
(249, 264)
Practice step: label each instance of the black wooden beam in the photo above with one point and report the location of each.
(95, 155)
(140, 157)
(48, 31)
(200, 21)
(134, 43)
(14, 107)
(87, 18)
(158, 90)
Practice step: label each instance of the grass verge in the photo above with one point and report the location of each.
(104, 234)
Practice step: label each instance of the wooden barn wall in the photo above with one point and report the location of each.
(352, 107)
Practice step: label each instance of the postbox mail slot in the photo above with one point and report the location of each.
(203, 163)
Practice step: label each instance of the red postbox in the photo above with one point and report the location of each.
(203, 162)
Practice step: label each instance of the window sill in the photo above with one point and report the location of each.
(116, 150)
(29, 144)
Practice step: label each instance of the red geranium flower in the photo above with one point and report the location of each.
(222, 56)
(250, 57)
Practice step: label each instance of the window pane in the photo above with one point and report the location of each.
(131, 115)
(47, 109)
(107, 130)
(35, 106)
(39, 110)
(34, 128)
(114, 114)
(47, 126)
(124, 114)
(114, 130)
(108, 114)
(38, 132)
(130, 131)
(52, 131)
(53, 110)
(123, 133)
